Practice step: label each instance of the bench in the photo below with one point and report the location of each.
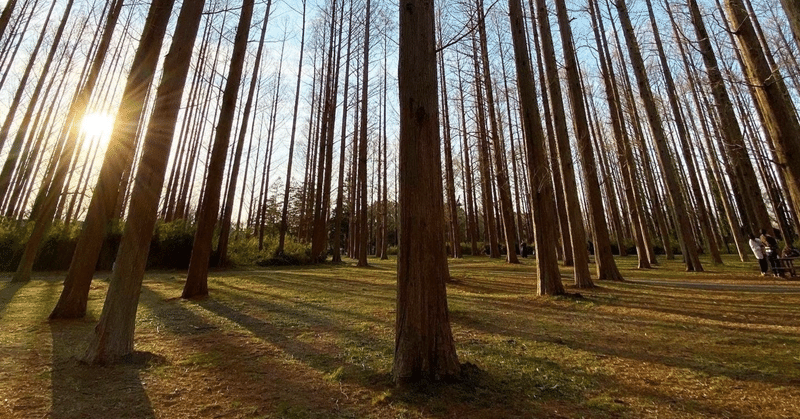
(786, 265)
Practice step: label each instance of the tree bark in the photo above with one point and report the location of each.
(337, 234)
(542, 196)
(363, 234)
(604, 258)
(577, 235)
(225, 226)
(424, 347)
(773, 99)
(689, 245)
(197, 277)
(5, 17)
(112, 339)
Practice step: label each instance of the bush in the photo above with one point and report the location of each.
(171, 245)
(55, 252)
(12, 239)
(243, 251)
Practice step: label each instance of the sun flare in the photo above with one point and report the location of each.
(98, 125)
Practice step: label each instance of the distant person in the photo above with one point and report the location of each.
(758, 251)
(771, 247)
(524, 249)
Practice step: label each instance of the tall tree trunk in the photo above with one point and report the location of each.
(791, 7)
(225, 225)
(5, 16)
(362, 148)
(285, 209)
(50, 192)
(548, 275)
(620, 139)
(320, 240)
(606, 266)
(683, 137)
(424, 347)
(555, 165)
(112, 339)
(575, 217)
(384, 251)
(484, 160)
(197, 277)
(337, 233)
(773, 99)
(501, 168)
(452, 208)
(689, 245)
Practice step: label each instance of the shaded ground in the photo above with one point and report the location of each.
(317, 342)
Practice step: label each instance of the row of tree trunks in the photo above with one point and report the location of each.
(112, 339)
(118, 159)
(682, 134)
(197, 277)
(772, 98)
(50, 192)
(604, 259)
(686, 237)
(577, 234)
(500, 165)
(542, 196)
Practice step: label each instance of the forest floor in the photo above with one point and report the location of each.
(317, 342)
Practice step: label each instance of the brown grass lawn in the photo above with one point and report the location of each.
(317, 342)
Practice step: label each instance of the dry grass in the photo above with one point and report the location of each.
(317, 342)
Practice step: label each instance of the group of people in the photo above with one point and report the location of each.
(765, 249)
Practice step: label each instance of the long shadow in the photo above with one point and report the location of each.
(634, 348)
(285, 394)
(754, 288)
(84, 391)
(480, 392)
(7, 293)
(339, 287)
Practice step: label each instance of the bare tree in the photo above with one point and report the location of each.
(225, 224)
(604, 259)
(424, 347)
(197, 277)
(688, 244)
(112, 339)
(543, 205)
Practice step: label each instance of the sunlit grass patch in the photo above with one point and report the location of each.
(318, 341)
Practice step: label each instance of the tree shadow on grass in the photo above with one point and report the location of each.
(259, 372)
(87, 391)
(7, 292)
(634, 346)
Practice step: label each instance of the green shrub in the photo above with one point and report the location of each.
(12, 239)
(171, 245)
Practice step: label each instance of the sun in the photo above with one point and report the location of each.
(98, 126)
